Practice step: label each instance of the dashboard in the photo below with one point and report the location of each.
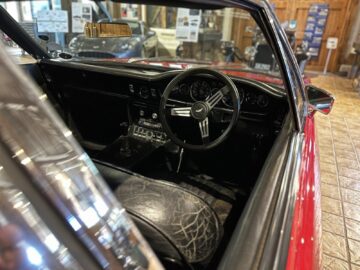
(254, 99)
(105, 99)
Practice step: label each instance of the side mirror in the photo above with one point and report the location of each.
(319, 99)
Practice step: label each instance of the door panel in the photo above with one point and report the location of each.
(263, 231)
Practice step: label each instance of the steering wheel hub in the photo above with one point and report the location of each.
(199, 110)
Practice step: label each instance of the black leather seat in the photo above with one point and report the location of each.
(179, 223)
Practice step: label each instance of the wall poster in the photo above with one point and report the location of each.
(188, 24)
(81, 14)
(315, 27)
(130, 11)
(52, 21)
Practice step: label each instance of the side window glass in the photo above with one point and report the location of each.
(294, 72)
(298, 94)
(20, 56)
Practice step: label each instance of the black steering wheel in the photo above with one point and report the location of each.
(199, 112)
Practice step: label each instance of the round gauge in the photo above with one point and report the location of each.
(183, 89)
(228, 101)
(251, 98)
(200, 90)
(176, 89)
(144, 92)
(262, 101)
(216, 84)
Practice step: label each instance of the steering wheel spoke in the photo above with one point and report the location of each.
(217, 97)
(171, 102)
(204, 130)
(182, 112)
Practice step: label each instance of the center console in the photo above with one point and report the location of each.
(148, 130)
(145, 124)
(144, 136)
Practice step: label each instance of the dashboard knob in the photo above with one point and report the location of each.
(131, 88)
(142, 113)
(154, 116)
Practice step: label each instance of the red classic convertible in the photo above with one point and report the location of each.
(112, 165)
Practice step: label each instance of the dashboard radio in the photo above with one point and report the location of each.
(148, 130)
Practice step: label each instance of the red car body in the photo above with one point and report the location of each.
(304, 250)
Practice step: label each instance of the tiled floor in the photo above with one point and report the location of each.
(339, 144)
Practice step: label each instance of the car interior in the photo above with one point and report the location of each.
(184, 184)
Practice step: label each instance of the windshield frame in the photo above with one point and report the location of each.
(283, 48)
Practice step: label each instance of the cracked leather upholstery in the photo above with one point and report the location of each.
(176, 222)
(184, 218)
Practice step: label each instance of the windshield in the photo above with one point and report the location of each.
(227, 39)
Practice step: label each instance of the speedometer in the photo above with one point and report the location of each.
(200, 90)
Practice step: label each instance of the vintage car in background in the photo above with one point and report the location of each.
(117, 165)
(143, 43)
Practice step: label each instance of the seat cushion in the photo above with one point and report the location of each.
(176, 222)
(219, 197)
(186, 220)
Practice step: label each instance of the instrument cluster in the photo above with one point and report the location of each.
(201, 89)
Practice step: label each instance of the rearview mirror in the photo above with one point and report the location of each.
(107, 30)
(319, 99)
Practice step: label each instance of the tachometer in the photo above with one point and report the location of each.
(200, 90)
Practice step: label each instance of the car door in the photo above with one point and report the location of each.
(280, 227)
(304, 246)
